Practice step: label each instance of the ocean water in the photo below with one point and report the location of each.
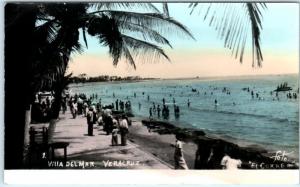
(266, 122)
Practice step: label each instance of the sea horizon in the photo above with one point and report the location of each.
(221, 77)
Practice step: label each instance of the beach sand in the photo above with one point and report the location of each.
(158, 138)
(160, 145)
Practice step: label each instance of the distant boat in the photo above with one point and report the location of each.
(283, 87)
(194, 90)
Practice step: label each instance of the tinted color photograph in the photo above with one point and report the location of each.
(139, 86)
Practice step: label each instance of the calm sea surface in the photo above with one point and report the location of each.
(266, 122)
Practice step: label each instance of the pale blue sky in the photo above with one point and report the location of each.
(280, 27)
(280, 35)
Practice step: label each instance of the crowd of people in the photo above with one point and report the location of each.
(156, 110)
(274, 94)
(291, 96)
(41, 108)
(111, 117)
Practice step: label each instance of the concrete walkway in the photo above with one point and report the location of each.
(96, 152)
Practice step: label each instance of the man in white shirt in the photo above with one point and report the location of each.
(229, 163)
(178, 156)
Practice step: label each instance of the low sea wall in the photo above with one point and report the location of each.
(211, 150)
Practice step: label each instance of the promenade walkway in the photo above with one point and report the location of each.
(96, 152)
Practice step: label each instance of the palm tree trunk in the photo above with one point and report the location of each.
(26, 134)
(56, 105)
(19, 32)
(27, 123)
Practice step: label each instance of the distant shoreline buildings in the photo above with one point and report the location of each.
(83, 78)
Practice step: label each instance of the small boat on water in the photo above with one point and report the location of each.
(283, 87)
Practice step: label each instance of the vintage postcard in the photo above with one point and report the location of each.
(170, 88)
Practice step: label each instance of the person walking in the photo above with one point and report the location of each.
(124, 130)
(178, 156)
(117, 104)
(109, 124)
(90, 121)
(114, 133)
(94, 114)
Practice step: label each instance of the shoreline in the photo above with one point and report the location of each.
(209, 78)
(270, 150)
(158, 138)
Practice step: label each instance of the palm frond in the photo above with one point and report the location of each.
(158, 22)
(77, 47)
(107, 31)
(233, 21)
(255, 17)
(192, 5)
(49, 68)
(126, 53)
(84, 36)
(148, 51)
(146, 33)
(46, 32)
(166, 9)
(125, 5)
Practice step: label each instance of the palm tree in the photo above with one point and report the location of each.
(111, 27)
(54, 35)
(232, 22)
(107, 26)
(19, 31)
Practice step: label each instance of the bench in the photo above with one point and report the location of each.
(59, 145)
